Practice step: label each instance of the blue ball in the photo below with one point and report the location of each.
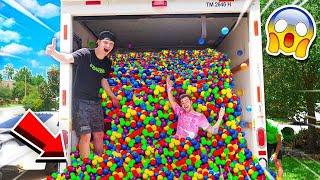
(224, 30)
(239, 52)
(248, 108)
(201, 41)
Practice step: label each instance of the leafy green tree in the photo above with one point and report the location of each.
(49, 91)
(21, 89)
(37, 80)
(33, 101)
(286, 78)
(23, 74)
(1, 78)
(9, 71)
(5, 95)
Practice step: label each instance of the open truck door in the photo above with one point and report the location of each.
(173, 24)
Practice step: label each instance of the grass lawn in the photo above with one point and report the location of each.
(9, 105)
(294, 170)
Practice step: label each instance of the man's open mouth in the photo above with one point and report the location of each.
(106, 50)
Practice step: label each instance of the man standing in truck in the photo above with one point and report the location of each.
(92, 71)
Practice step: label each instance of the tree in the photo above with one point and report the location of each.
(1, 78)
(21, 89)
(24, 74)
(5, 95)
(37, 80)
(9, 71)
(33, 101)
(49, 91)
(285, 76)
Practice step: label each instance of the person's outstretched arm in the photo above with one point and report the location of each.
(172, 100)
(59, 56)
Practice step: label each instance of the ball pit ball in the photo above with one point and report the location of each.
(140, 143)
(201, 41)
(243, 66)
(239, 53)
(224, 30)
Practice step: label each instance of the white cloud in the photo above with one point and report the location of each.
(15, 48)
(34, 63)
(41, 53)
(7, 36)
(46, 11)
(7, 22)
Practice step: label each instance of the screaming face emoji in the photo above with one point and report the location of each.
(290, 30)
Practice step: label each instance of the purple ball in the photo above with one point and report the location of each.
(83, 168)
(116, 121)
(92, 177)
(160, 150)
(169, 160)
(145, 97)
(76, 154)
(155, 113)
(67, 175)
(126, 131)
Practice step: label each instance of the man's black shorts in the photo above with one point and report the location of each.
(271, 149)
(87, 116)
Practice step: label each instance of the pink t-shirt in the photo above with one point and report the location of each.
(189, 123)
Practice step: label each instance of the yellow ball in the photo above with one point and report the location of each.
(128, 115)
(224, 136)
(204, 108)
(104, 95)
(154, 127)
(150, 173)
(100, 159)
(144, 176)
(143, 117)
(156, 92)
(188, 92)
(202, 94)
(186, 147)
(128, 139)
(235, 170)
(161, 89)
(230, 105)
(119, 97)
(127, 160)
(194, 89)
(197, 157)
(109, 163)
(250, 172)
(229, 95)
(233, 126)
(241, 167)
(171, 145)
(223, 91)
(113, 138)
(176, 142)
(159, 177)
(166, 107)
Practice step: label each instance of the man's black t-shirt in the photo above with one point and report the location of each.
(88, 74)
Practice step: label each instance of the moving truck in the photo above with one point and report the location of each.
(230, 26)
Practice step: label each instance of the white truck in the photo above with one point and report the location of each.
(147, 24)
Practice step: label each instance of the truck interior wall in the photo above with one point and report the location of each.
(237, 40)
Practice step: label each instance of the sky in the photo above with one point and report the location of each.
(26, 28)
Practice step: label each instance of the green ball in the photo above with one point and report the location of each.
(54, 175)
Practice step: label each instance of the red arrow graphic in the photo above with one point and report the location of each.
(32, 132)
